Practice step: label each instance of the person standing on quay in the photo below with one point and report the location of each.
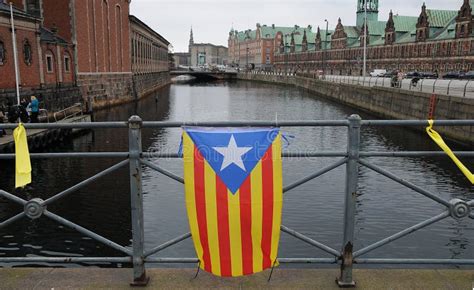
(34, 107)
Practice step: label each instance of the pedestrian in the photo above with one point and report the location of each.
(24, 117)
(34, 108)
(12, 112)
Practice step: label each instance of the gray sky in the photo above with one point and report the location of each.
(212, 19)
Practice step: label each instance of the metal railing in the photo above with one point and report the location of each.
(451, 87)
(135, 158)
(70, 112)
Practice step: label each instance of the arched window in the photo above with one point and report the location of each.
(119, 24)
(2, 53)
(27, 53)
(106, 35)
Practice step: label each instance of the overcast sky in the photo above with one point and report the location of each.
(212, 19)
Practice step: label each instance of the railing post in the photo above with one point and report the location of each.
(352, 175)
(138, 243)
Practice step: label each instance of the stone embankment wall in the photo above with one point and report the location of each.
(387, 103)
(101, 91)
(148, 83)
(53, 98)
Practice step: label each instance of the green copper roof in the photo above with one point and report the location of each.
(404, 23)
(448, 33)
(351, 31)
(271, 31)
(440, 18)
(377, 27)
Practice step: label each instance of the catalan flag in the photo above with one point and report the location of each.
(234, 197)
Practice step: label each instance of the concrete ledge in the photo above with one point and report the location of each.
(95, 278)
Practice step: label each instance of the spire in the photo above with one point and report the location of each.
(191, 37)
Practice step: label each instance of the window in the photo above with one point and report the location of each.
(27, 54)
(2, 53)
(33, 7)
(49, 63)
(67, 63)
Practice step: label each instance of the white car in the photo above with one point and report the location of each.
(378, 73)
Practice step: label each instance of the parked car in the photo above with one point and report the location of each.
(428, 75)
(378, 73)
(468, 76)
(413, 74)
(390, 74)
(453, 75)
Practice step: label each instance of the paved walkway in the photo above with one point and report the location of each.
(94, 278)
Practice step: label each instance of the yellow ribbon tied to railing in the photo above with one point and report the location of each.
(22, 157)
(439, 140)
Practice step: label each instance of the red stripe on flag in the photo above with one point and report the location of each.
(246, 226)
(267, 208)
(223, 227)
(199, 191)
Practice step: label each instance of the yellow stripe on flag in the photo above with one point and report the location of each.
(257, 219)
(188, 150)
(277, 197)
(211, 214)
(22, 157)
(439, 140)
(235, 233)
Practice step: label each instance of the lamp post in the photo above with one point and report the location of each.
(247, 61)
(364, 71)
(325, 48)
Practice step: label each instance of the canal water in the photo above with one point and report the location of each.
(314, 209)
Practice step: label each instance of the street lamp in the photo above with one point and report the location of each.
(365, 39)
(286, 55)
(247, 63)
(325, 49)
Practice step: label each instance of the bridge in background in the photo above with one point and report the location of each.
(206, 75)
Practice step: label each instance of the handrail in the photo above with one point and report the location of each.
(353, 158)
(357, 80)
(69, 112)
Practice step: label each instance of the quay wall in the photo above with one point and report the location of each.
(386, 103)
(52, 98)
(104, 90)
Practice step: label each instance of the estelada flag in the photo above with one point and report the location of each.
(234, 197)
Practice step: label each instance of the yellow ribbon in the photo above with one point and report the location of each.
(439, 140)
(22, 157)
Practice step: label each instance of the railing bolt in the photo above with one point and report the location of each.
(35, 208)
(459, 209)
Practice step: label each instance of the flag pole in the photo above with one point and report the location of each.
(15, 56)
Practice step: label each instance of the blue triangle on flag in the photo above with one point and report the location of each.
(232, 153)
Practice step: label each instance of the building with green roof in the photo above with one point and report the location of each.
(434, 40)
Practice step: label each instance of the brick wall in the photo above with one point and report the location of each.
(56, 14)
(103, 41)
(29, 73)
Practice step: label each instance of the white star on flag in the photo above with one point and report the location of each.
(232, 154)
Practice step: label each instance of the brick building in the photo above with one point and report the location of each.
(435, 40)
(80, 48)
(256, 48)
(150, 60)
(45, 59)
